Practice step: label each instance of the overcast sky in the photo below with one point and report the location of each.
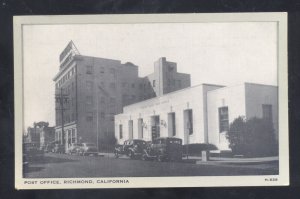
(216, 53)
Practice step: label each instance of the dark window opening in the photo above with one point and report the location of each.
(121, 131)
(223, 119)
(267, 112)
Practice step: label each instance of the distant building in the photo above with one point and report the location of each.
(47, 136)
(40, 134)
(198, 114)
(91, 91)
(33, 135)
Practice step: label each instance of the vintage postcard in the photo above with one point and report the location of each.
(156, 100)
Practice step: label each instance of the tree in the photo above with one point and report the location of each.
(252, 137)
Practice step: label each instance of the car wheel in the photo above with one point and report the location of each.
(131, 155)
(160, 158)
(116, 154)
(144, 157)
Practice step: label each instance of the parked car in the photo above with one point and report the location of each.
(32, 152)
(163, 149)
(74, 148)
(59, 148)
(132, 148)
(87, 149)
(25, 162)
(49, 148)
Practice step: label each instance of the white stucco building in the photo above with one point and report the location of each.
(198, 114)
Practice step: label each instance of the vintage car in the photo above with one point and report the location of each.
(163, 149)
(74, 148)
(32, 151)
(132, 148)
(25, 162)
(49, 147)
(59, 148)
(87, 149)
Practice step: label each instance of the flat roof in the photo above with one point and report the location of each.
(171, 93)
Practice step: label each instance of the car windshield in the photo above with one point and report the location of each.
(140, 142)
(89, 144)
(175, 141)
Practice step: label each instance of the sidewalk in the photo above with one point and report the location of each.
(227, 160)
(215, 160)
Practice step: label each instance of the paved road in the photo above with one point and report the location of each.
(67, 166)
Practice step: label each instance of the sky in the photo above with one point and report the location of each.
(215, 53)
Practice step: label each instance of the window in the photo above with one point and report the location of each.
(72, 86)
(89, 100)
(190, 121)
(132, 85)
(153, 83)
(172, 124)
(141, 86)
(140, 128)
(89, 69)
(223, 119)
(267, 112)
(123, 84)
(89, 117)
(89, 85)
(120, 131)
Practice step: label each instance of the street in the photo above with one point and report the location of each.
(71, 166)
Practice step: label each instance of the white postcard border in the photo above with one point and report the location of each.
(138, 182)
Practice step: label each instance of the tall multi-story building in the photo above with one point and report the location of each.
(90, 91)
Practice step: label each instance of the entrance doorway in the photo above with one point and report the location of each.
(155, 127)
(130, 129)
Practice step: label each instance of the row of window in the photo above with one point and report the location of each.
(174, 83)
(102, 115)
(89, 100)
(66, 77)
(188, 119)
(67, 118)
(155, 127)
(90, 70)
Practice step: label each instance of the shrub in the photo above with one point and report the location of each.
(252, 137)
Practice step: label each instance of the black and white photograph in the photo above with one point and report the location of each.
(162, 100)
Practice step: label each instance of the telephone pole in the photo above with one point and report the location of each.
(62, 98)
